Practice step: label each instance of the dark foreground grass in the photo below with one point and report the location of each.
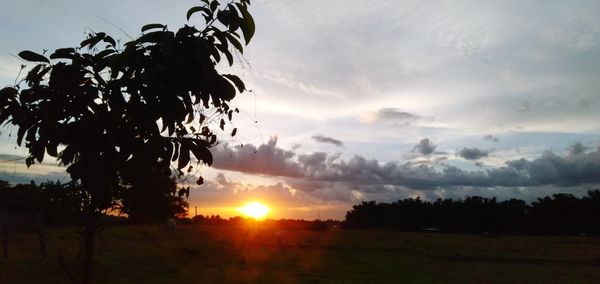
(251, 254)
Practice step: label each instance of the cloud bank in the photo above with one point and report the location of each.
(319, 169)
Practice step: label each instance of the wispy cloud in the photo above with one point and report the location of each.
(324, 139)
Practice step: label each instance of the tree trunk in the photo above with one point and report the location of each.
(89, 235)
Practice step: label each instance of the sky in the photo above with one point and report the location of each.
(371, 100)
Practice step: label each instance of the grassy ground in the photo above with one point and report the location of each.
(200, 254)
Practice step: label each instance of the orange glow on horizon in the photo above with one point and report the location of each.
(277, 210)
(255, 210)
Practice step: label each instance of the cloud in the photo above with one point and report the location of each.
(472, 153)
(306, 179)
(396, 114)
(390, 114)
(11, 158)
(425, 147)
(266, 159)
(222, 191)
(577, 149)
(318, 167)
(324, 139)
(490, 137)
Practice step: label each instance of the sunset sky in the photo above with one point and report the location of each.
(371, 100)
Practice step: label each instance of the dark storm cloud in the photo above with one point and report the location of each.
(324, 139)
(425, 147)
(472, 153)
(314, 168)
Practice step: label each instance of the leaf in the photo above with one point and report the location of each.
(38, 152)
(67, 155)
(32, 74)
(153, 26)
(200, 181)
(228, 55)
(234, 132)
(176, 153)
(8, 92)
(74, 170)
(153, 37)
(193, 10)
(110, 40)
(247, 24)
(104, 53)
(223, 90)
(214, 52)
(33, 57)
(186, 31)
(222, 38)
(222, 124)
(236, 43)
(223, 17)
(239, 84)
(51, 148)
(202, 154)
(234, 18)
(93, 40)
(29, 161)
(184, 156)
(66, 53)
(214, 5)
(21, 133)
(168, 150)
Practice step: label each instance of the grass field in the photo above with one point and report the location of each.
(214, 254)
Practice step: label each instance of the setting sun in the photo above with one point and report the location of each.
(254, 210)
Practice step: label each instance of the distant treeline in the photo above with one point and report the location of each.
(286, 224)
(59, 203)
(560, 214)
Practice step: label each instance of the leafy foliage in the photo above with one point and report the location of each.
(115, 114)
(104, 110)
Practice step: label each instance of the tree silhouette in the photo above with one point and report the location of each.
(559, 214)
(107, 110)
(152, 198)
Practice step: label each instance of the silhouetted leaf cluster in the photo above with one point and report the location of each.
(560, 214)
(114, 114)
(105, 111)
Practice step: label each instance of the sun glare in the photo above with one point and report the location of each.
(254, 210)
